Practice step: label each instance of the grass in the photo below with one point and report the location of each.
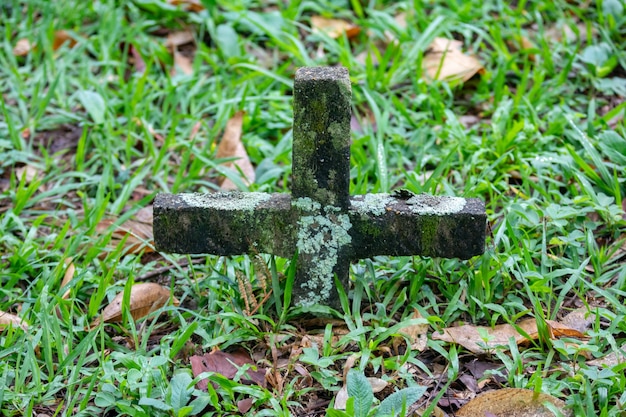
(86, 137)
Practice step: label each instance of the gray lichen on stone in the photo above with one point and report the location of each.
(225, 200)
(306, 204)
(320, 239)
(440, 206)
(371, 204)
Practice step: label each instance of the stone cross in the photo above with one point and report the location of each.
(328, 228)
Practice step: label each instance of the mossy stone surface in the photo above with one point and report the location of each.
(327, 227)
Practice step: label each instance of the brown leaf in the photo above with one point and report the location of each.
(69, 274)
(137, 60)
(22, 47)
(60, 37)
(444, 60)
(227, 365)
(8, 319)
(610, 360)
(232, 147)
(182, 37)
(190, 5)
(579, 319)
(511, 402)
(184, 63)
(334, 27)
(30, 173)
(470, 337)
(145, 298)
(139, 232)
(417, 333)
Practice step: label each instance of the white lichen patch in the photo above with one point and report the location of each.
(225, 200)
(440, 206)
(320, 238)
(373, 204)
(306, 204)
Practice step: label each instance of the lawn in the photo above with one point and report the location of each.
(104, 104)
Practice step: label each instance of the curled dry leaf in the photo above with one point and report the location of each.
(181, 61)
(144, 299)
(341, 398)
(444, 60)
(22, 47)
(8, 319)
(471, 337)
(139, 232)
(417, 333)
(610, 360)
(69, 274)
(226, 364)
(189, 5)
(60, 37)
(231, 146)
(334, 27)
(182, 37)
(512, 402)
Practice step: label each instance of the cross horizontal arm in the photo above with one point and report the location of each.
(446, 227)
(237, 223)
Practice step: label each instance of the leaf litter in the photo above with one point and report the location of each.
(231, 146)
(482, 339)
(144, 299)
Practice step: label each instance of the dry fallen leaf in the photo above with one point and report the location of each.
(182, 37)
(417, 333)
(184, 63)
(610, 360)
(511, 402)
(136, 59)
(139, 232)
(226, 364)
(341, 398)
(190, 5)
(144, 299)
(334, 27)
(181, 61)
(579, 319)
(232, 147)
(28, 172)
(470, 337)
(22, 47)
(69, 274)
(60, 37)
(8, 319)
(444, 60)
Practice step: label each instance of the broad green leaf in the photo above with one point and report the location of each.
(600, 58)
(153, 402)
(613, 8)
(360, 389)
(185, 411)
(228, 40)
(94, 104)
(105, 399)
(181, 391)
(397, 401)
(337, 413)
(613, 146)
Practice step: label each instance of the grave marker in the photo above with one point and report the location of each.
(327, 227)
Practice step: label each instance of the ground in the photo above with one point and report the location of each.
(106, 103)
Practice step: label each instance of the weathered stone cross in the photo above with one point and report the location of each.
(320, 220)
